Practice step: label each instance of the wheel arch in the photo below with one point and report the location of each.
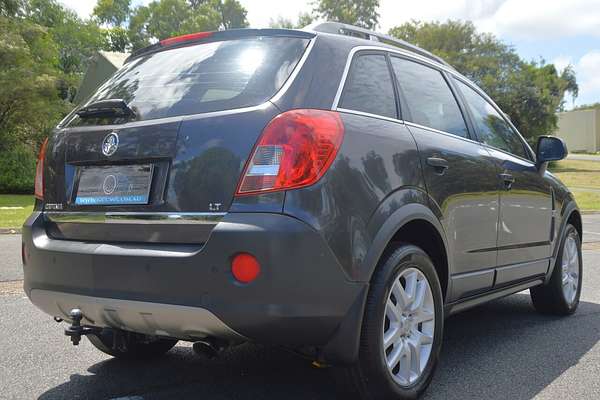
(570, 215)
(415, 224)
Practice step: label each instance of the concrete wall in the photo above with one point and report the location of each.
(580, 129)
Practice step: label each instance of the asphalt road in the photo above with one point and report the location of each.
(502, 350)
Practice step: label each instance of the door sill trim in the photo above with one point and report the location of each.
(469, 302)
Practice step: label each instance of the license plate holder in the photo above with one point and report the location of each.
(114, 185)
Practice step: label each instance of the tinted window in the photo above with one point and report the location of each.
(203, 78)
(429, 98)
(369, 87)
(491, 128)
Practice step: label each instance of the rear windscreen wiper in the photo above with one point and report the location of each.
(106, 108)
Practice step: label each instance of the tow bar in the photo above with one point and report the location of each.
(75, 331)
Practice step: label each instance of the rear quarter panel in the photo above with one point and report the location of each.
(378, 160)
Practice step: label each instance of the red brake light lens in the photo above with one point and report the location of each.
(39, 171)
(185, 38)
(295, 150)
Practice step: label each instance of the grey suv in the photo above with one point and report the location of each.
(330, 190)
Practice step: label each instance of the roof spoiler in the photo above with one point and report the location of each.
(230, 34)
(355, 31)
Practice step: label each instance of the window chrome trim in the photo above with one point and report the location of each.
(442, 132)
(366, 114)
(407, 54)
(489, 146)
(140, 218)
(438, 66)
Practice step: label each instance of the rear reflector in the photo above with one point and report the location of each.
(39, 172)
(295, 150)
(185, 38)
(245, 267)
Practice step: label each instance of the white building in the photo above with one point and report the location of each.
(580, 130)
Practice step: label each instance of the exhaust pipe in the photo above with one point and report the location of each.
(209, 347)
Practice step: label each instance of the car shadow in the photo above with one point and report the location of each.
(500, 350)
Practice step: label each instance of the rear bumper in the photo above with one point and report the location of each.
(302, 296)
(137, 316)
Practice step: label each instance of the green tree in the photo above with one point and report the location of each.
(117, 39)
(356, 12)
(30, 102)
(303, 20)
(44, 50)
(10, 8)
(78, 40)
(529, 92)
(112, 12)
(165, 18)
(233, 14)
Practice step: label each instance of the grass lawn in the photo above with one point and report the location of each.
(14, 209)
(578, 176)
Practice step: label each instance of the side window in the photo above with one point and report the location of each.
(369, 87)
(491, 126)
(429, 98)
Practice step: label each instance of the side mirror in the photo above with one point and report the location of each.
(550, 148)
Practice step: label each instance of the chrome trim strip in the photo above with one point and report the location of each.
(434, 64)
(181, 322)
(407, 54)
(443, 133)
(366, 114)
(141, 218)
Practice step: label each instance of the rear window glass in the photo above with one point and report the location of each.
(202, 78)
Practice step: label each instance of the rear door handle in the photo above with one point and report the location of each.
(508, 180)
(439, 164)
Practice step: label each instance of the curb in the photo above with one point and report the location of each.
(584, 212)
(10, 231)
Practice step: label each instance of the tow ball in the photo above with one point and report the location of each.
(75, 331)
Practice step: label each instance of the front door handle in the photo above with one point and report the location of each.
(508, 180)
(439, 164)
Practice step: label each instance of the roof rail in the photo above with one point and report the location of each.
(355, 31)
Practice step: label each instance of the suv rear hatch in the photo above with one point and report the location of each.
(167, 169)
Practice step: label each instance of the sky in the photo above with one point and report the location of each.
(558, 31)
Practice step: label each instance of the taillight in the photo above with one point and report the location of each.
(295, 150)
(39, 171)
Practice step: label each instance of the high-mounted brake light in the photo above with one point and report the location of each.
(39, 171)
(185, 38)
(295, 150)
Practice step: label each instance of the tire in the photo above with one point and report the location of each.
(370, 378)
(129, 345)
(552, 298)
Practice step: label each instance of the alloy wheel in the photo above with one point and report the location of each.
(408, 326)
(570, 269)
